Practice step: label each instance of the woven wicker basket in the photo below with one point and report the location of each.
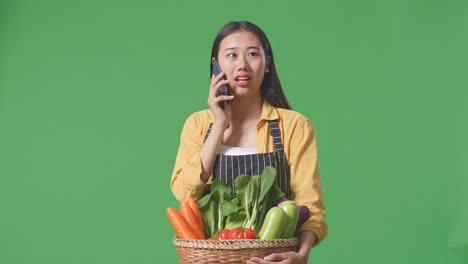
(229, 251)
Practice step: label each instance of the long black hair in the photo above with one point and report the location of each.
(271, 89)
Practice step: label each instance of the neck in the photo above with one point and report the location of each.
(246, 109)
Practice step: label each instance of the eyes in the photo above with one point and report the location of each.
(250, 54)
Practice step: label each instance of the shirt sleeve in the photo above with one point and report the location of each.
(185, 180)
(305, 179)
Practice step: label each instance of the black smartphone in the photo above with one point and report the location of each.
(223, 90)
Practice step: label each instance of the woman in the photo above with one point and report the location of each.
(256, 128)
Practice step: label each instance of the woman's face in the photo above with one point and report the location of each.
(242, 58)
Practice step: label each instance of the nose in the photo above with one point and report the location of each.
(241, 63)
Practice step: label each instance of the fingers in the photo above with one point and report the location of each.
(255, 260)
(214, 101)
(216, 83)
(224, 98)
(274, 257)
(216, 78)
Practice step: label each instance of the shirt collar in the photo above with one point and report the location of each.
(269, 112)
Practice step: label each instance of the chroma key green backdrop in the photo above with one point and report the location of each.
(93, 95)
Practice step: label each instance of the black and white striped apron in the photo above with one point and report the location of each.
(227, 168)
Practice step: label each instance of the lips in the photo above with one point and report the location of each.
(242, 80)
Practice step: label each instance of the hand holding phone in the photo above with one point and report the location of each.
(224, 90)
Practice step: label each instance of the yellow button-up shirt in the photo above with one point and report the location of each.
(300, 147)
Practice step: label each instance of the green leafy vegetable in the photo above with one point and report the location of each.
(254, 196)
(260, 194)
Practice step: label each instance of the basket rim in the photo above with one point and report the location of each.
(231, 244)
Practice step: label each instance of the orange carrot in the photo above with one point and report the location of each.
(181, 227)
(192, 220)
(193, 204)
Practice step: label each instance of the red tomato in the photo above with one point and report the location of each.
(224, 234)
(249, 234)
(238, 233)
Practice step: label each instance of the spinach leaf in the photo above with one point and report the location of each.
(267, 181)
(254, 196)
(235, 220)
(223, 188)
(257, 194)
(217, 206)
(209, 210)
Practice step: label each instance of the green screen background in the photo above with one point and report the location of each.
(93, 95)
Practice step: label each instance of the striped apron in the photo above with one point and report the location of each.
(227, 168)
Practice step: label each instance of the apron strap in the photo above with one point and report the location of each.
(208, 132)
(276, 134)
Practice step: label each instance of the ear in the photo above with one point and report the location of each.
(212, 60)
